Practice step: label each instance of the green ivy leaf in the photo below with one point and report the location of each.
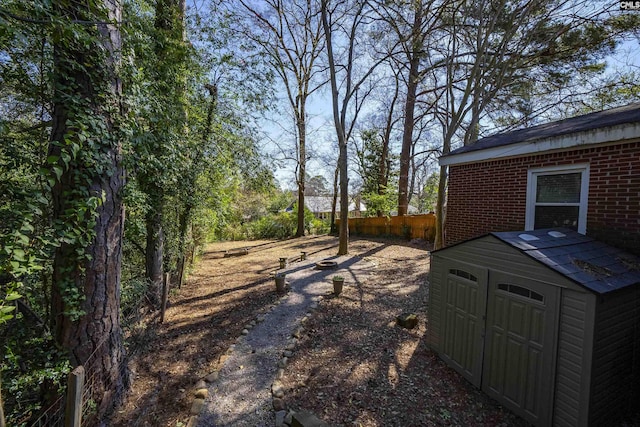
(27, 227)
(18, 255)
(57, 170)
(13, 296)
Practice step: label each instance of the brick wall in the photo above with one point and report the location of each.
(491, 196)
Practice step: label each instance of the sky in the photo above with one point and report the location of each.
(278, 141)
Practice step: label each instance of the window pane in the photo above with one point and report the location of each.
(560, 188)
(557, 216)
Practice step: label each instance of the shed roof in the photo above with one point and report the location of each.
(554, 135)
(582, 259)
(590, 263)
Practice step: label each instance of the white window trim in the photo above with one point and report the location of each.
(583, 169)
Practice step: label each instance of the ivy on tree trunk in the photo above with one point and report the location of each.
(85, 167)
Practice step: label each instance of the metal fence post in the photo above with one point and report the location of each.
(73, 406)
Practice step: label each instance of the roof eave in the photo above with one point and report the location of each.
(622, 132)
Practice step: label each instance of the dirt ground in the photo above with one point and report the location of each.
(354, 365)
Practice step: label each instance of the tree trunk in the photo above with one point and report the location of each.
(343, 234)
(86, 274)
(185, 217)
(170, 39)
(302, 164)
(409, 112)
(440, 210)
(334, 202)
(154, 251)
(343, 242)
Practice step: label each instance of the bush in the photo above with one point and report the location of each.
(273, 226)
(34, 371)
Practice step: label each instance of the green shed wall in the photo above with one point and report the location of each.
(490, 253)
(576, 318)
(615, 356)
(575, 333)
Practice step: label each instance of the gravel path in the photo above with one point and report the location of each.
(241, 396)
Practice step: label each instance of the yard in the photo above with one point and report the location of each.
(353, 365)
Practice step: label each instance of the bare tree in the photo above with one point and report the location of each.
(290, 34)
(488, 47)
(409, 25)
(343, 23)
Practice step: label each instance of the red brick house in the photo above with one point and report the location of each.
(581, 173)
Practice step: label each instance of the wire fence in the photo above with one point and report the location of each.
(97, 393)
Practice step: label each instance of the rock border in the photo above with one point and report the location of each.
(283, 415)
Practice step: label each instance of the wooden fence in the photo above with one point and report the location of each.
(409, 226)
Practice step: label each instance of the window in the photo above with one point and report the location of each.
(557, 197)
(463, 274)
(519, 290)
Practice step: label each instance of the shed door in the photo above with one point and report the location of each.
(465, 306)
(520, 345)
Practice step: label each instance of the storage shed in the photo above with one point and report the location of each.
(547, 322)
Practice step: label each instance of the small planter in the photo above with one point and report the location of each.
(303, 256)
(283, 263)
(338, 283)
(280, 283)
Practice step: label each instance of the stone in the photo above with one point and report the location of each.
(290, 345)
(287, 353)
(245, 332)
(277, 389)
(407, 320)
(196, 406)
(200, 384)
(202, 393)
(280, 416)
(193, 421)
(283, 363)
(289, 417)
(278, 404)
(280, 374)
(298, 332)
(306, 419)
(212, 377)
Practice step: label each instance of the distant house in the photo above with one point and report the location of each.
(321, 206)
(535, 297)
(581, 173)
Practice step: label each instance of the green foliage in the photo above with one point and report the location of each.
(377, 197)
(273, 226)
(34, 371)
(429, 194)
(383, 203)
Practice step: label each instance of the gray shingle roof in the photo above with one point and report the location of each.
(582, 259)
(601, 119)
